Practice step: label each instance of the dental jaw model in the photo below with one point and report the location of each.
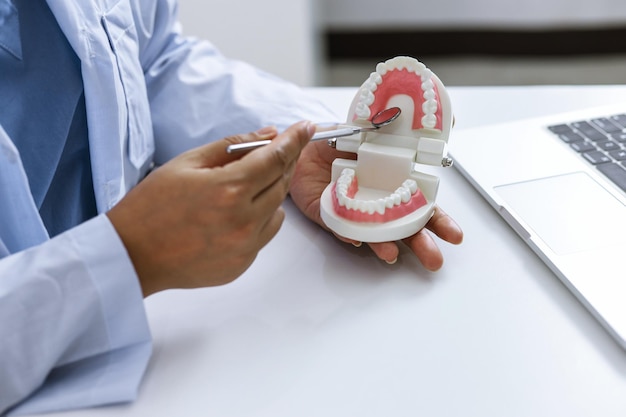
(381, 196)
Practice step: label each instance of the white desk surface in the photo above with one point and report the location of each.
(319, 328)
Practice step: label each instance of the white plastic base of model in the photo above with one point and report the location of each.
(374, 232)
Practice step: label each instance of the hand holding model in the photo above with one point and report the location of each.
(312, 176)
(201, 219)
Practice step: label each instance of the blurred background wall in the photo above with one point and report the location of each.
(466, 42)
(279, 36)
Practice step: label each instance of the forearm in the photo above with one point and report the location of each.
(70, 299)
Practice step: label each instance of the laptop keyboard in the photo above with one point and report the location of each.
(601, 142)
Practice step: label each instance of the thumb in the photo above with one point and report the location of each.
(215, 154)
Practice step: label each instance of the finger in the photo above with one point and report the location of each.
(387, 251)
(279, 189)
(353, 242)
(424, 247)
(263, 166)
(214, 154)
(445, 227)
(273, 196)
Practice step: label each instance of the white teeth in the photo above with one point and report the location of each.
(411, 185)
(382, 68)
(380, 206)
(370, 86)
(363, 111)
(346, 177)
(428, 85)
(401, 195)
(429, 121)
(366, 96)
(405, 194)
(376, 78)
(411, 66)
(429, 107)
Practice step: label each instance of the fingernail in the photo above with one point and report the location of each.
(266, 132)
(310, 127)
(357, 244)
(392, 261)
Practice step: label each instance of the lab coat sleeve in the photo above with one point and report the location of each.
(73, 329)
(197, 95)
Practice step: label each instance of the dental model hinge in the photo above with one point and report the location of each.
(447, 162)
(332, 142)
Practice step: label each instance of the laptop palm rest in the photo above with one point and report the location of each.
(548, 207)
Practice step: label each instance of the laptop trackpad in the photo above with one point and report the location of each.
(570, 213)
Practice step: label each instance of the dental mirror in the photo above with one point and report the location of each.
(385, 117)
(380, 119)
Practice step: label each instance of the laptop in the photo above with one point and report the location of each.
(560, 183)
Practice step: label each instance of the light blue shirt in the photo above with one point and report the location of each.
(73, 329)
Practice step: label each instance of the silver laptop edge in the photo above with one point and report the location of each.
(485, 169)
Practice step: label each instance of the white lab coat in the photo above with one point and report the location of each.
(73, 331)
